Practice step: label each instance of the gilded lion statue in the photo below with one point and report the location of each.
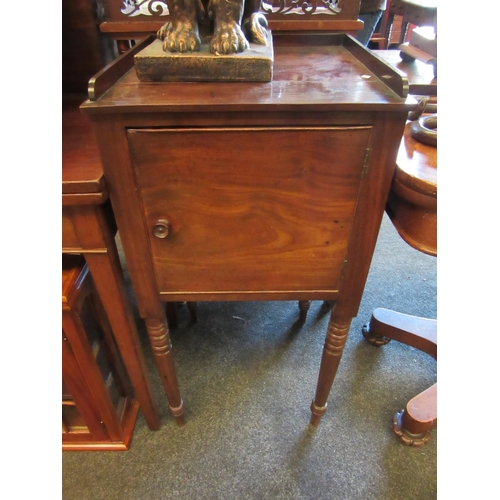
(233, 24)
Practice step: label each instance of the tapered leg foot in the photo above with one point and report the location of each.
(159, 338)
(316, 413)
(178, 414)
(336, 337)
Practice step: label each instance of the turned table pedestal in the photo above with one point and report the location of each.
(412, 208)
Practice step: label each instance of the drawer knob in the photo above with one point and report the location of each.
(161, 228)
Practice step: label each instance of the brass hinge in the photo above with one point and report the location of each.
(366, 162)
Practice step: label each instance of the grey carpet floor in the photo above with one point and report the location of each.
(248, 372)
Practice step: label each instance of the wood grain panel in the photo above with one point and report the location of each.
(271, 211)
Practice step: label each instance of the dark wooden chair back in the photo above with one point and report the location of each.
(85, 49)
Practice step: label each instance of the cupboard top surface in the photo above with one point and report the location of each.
(338, 75)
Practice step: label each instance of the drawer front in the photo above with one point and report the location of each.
(261, 209)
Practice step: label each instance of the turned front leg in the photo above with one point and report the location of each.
(159, 338)
(336, 337)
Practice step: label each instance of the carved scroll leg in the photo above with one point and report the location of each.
(304, 306)
(159, 338)
(336, 337)
(413, 424)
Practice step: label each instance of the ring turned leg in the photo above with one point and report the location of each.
(159, 338)
(336, 337)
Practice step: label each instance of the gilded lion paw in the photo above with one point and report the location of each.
(228, 39)
(164, 31)
(185, 38)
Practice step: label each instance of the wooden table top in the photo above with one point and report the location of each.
(420, 75)
(81, 165)
(323, 74)
(417, 165)
(417, 162)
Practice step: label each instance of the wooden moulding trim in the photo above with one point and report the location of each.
(392, 77)
(109, 75)
(128, 430)
(129, 30)
(186, 107)
(182, 296)
(416, 194)
(80, 250)
(339, 26)
(72, 199)
(83, 187)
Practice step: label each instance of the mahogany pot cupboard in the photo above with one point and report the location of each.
(252, 191)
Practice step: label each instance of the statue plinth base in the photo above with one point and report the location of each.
(255, 64)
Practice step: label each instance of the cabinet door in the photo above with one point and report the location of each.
(249, 209)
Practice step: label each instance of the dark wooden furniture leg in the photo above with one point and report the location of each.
(171, 312)
(412, 425)
(304, 306)
(107, 274)
(159, 338)
(336, 337)
(172, 316)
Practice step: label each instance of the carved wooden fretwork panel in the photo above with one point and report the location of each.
(328, 13)
(134, 8)
(301, 7)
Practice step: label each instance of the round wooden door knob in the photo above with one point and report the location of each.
(161, 228)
